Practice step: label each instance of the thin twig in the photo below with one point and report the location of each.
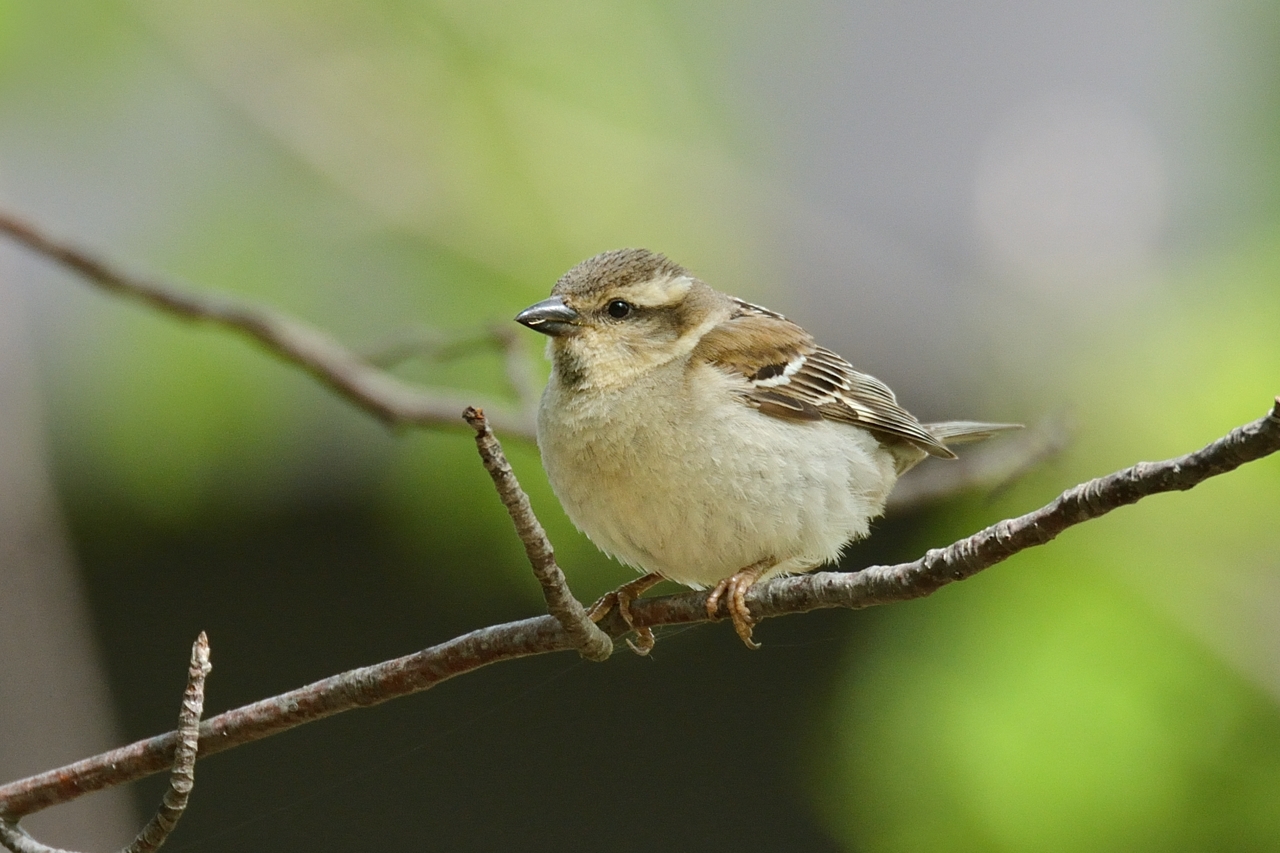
(873, 586)
(181, 779)
(520, 373)
(433, 345)
(591, 642)
(19, 840)
(364, 384)
(428, 344)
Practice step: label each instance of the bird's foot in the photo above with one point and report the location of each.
(622, 598)
(733, 590)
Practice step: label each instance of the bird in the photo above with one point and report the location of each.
(709, 441)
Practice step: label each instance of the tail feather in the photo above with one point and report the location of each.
(945, 433)
(963, 432)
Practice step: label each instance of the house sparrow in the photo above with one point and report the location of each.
(709, 441)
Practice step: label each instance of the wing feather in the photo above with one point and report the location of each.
(789, 376)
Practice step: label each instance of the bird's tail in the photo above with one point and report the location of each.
(963, 432)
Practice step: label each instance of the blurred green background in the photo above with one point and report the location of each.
(1003, 212)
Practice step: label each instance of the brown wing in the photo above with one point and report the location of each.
(791, 377)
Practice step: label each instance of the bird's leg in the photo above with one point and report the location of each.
(736, 585)
(622, 598)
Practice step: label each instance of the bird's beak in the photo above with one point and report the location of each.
(550, 316)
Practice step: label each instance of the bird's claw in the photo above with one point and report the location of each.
(733, 590)
(622, 598)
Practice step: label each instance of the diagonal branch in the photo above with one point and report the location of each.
(181, 778)
(876, 585)
(592, 643)
(964, 559)
(353, 377)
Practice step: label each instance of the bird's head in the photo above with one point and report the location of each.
(618, 315)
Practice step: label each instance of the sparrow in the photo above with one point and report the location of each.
(708, 441)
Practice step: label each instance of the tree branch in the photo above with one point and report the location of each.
(802, 593)
(361, 377)
(591, 642)
(353, 377)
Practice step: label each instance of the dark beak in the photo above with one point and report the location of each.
(550, 316)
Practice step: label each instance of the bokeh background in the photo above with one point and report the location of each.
(1003, 210)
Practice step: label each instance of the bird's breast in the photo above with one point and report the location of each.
(697, 486)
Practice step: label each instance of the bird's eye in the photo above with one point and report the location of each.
(618, 309)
